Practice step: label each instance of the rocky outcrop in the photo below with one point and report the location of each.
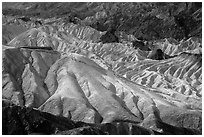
(24, 71)
(13, 27)
(172, 47)
(151, 21)
(26, 121)
(11, 31)
(75, 87)
(95, 84)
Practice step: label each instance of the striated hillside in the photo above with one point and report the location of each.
(72, 79)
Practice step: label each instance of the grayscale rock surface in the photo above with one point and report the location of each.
(64, 76)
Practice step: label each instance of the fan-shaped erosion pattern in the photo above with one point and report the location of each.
(60, 77)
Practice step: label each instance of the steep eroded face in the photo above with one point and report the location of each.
(63, 68)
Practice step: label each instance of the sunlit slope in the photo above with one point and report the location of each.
(76, 87)
(181, 73)
(66, 71)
